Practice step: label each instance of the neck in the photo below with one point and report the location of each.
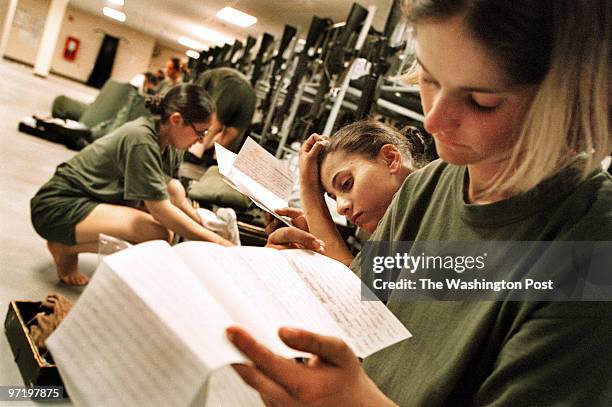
(163, 136)
(479, 178)
(404, 172)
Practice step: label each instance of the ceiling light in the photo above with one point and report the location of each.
(189, 43)
(114, 14)
(213, 36)
(117, 2)
(192, 54)
(237, 17)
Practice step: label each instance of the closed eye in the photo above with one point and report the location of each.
(484, 106)
(346, 185)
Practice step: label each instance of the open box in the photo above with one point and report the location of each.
(35, 369)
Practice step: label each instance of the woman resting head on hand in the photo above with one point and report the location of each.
(363, 165)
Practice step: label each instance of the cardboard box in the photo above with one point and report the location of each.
(35, 370)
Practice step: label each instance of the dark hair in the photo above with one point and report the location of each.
(421, 145)
(367, 137)
(191, 101)
(518, 32)
(151, 78)
(176, 63)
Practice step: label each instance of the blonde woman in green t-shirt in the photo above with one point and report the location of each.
(125, 184)
(517, 97)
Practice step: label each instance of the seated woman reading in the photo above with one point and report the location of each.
(517, 97)
(125, 184)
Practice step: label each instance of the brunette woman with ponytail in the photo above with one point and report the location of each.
(125, 184)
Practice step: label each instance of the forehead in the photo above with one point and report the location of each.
(340, 161)
(450, 53)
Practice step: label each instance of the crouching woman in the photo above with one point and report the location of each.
(125, 184)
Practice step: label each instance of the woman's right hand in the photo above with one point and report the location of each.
(332, 377)
(309, 169)
(295, 214)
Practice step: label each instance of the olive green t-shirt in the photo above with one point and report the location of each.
(126, 166)
(497, 353)
(233, 95)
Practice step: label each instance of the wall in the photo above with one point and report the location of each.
(161, 58)
(133, 54)
(3, 9)
(27, 29)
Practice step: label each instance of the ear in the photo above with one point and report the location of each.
(391, 156)
(175, 119)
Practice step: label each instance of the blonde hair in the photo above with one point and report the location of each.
(568, 124)
(563, 47)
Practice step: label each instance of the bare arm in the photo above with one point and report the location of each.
(315, 209)
(178, 198)
(179, 222)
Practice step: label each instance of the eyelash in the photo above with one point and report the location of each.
(471, 101)
(346, 185)
(428, 81)
(485, 109)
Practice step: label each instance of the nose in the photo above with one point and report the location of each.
(443, 114)
(344, 206)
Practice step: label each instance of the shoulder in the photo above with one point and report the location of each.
(139, 132)
(428, 175)
(421, 185)
(410, 203)
(588, 210)
(143, 129)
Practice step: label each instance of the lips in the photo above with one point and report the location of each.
(444, 139)
(355, 218)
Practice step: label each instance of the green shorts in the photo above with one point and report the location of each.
(57, 208)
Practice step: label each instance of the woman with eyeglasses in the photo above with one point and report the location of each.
(125, 184)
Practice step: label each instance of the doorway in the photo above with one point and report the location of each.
(104, 62)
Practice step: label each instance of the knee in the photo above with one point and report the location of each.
(176, 192)
(145, 228)
(157, 232)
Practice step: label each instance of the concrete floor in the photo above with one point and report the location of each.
(26, 162)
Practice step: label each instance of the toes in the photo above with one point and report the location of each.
(75, 279)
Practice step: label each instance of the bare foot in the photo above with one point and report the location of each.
(67, 264)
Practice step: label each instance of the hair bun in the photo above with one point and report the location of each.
(422, 146)
(154, 104)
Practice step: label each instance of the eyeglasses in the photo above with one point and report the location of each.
(200, 134)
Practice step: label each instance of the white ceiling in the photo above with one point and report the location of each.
(167, 20)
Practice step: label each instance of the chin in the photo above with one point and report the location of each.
(451, 156)
(369, 228)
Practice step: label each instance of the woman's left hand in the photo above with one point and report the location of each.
(333, 377)
(295, 214)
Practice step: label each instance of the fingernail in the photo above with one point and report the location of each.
(321, 243)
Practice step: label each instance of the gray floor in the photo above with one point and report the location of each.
(26, 162)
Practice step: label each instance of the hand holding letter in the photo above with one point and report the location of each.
(333, 377)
